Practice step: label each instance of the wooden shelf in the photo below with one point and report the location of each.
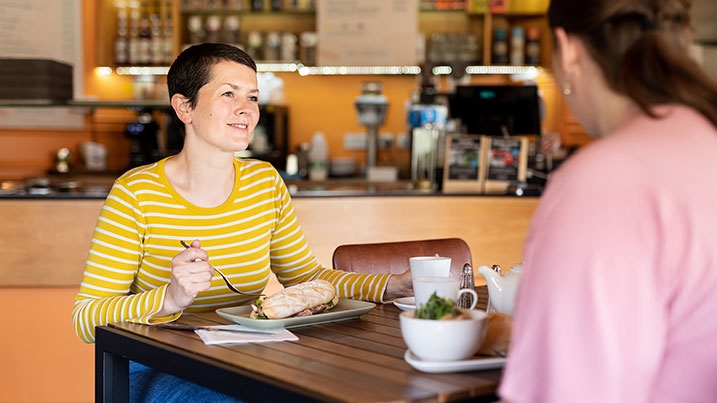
(303, 70)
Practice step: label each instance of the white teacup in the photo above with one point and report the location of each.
(430, 266)
(445, 287)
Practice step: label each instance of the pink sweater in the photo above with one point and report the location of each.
(618, 300)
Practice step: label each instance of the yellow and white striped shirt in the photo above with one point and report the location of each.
(254, 232)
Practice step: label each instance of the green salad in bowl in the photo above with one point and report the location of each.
(438, 331)
(439, 308)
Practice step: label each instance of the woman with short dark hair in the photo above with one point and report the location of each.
(236, 211)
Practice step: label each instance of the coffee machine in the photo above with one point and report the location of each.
(270, 141)
(371, 106)
(143, 134)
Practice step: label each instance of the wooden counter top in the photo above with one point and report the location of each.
(98, 186)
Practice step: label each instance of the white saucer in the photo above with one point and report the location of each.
(475, 363)
(405, 303)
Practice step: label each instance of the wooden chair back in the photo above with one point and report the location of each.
(392, 257)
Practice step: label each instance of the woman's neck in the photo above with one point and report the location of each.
(612, 112)
(203, 181)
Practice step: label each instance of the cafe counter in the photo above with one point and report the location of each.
(97, 187)
(48, 235)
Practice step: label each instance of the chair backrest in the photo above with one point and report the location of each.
(392, 257)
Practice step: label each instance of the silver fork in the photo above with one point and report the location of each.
(231, 287)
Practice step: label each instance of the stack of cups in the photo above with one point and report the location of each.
(431, 274)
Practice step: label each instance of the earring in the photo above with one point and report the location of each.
(567, 87)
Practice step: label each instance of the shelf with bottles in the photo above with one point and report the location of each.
(274, 37)
(136, 32)
(443, 5)
(519, 39)
(489, 41)
(454, 39)
(253, 6)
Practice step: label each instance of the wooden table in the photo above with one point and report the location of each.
(359, 360)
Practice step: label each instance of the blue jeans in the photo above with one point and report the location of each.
(148, 385)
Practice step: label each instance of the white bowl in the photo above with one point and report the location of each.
(443, 340)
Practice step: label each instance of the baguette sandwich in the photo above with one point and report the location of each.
(301, 299)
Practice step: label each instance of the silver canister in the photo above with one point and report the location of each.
(467, 282)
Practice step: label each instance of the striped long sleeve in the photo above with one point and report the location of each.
(252, 234)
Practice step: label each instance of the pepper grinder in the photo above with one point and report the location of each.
(465, 300)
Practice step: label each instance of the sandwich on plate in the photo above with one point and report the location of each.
(301, 299)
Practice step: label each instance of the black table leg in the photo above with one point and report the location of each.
(111, 373)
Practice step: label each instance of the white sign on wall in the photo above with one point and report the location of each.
(367, 32)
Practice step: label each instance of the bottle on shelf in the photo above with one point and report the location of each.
(121, 45)
(255, 45)
(257, 5)
(532, 46)
(318, 158)
(308, 42)
(144, 47)
(288, 47)
(195, 27)
(517, 46)
(134, 57)
(157, 48)
(213, 28)
(272, 46)
(231, 30)
(477, 6)
(167, 33)
(500, 46)
(214, 5)
(498, 6)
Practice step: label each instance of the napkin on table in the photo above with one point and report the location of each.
(218, 336)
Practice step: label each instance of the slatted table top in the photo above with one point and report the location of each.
(360, 360)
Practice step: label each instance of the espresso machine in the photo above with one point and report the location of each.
(143, 139)
(371, 106)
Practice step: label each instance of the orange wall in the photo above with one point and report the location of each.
(42, 359)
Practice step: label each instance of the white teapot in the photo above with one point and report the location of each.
(502, 288)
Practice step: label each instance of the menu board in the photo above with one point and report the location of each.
(506, 162)
(464, 170)
(43, 29)
(367, 32)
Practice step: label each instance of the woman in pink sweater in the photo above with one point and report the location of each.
(618, 301)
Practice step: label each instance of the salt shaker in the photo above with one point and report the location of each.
(464, 301)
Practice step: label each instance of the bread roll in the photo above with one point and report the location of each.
(497, 338)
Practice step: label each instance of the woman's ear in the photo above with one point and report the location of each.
(567, 53)
(181, 106)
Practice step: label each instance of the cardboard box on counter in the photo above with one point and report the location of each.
(35, 80)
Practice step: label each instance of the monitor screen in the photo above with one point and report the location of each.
(497, 110)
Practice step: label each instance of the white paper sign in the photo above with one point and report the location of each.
(367, 32)
(43, 29)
